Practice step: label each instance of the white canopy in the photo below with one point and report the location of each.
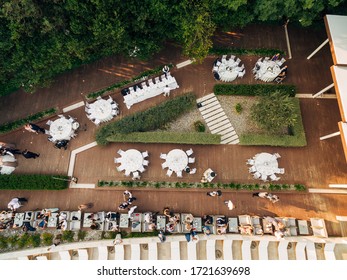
(339, 74)
(336, 27)
(343, 132)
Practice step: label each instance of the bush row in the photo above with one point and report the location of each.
(296, 137)
(7, 127)
(166, 137)
(253, 90)
(33, 182)
(143, 76)
(148, 120)
(240, 51)
(233, 186)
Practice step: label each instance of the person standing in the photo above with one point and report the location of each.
(260, 194)
(229, 204)
(167, 91)
(85, 206)
(34, 128)
(166, 70)
(16, 202)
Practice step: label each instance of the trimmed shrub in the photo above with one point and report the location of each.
(33, 182)
(47, 238)
(148, 120)
(199, 126)
(241, 51)
(166, 137)
(238, 108)
(81, 235)
(7, 127)
(68, 235)
(253, 90)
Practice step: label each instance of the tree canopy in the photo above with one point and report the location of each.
(42, 38)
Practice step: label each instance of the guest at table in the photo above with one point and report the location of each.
(207, 220)
(260, 194)
(167, 212)
(85, 206)
(206, 230)
(61, 144)
(34, 128)
(230, 204)
(167, 91)
(28, 154)
(27, 227)
(166, 70)
(9, 151)
(124, 205)
(215, 193)
(111, 216)
(170, 227)
(131, 211)
(216, 76)
(16, 202)
(275, 57)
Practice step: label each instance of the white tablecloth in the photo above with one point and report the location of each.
(177, 160)
(101, 110)
(61, 129)
(266, 164)
(269, 70)
(132, 160)
(227, 71)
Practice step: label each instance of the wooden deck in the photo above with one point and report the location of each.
(317, 165)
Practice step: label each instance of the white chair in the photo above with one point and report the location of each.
(120, 152)
(189, 152)
(169, 172)
(256, 175)
(250, 161)
(120, 168)
(252, 169)
(117, 160)
(238, 60)
(163, 156)
(179, 174)
(218, 63)
(156, 80)
(136, 175)
(142, 169)
(144, 154)
(145, 162)
(192, 171)
(191, 160)
(97, 121)
(110, 100)
(263, 178)
(224, 58)
(114, 106)
(273, 177)
(87, 110)
(241, 74)
(98, 98)
(127, 172)
(61, 116)
(49, 122)
(164, 165)
(242, 67)
(280, 62)
(114, 112)
(232, 57)
(277, 155)
(266, 58)
(215, 69)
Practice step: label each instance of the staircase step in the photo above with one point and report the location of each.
(218, 124)
(208, 101)
(199, 100)
(227, 131)
(210, 109)
(231, 135)
(221, 129)
(213, 122)
(212, 115)
(209, 105)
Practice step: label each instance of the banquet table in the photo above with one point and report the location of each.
(269, 70)
(132, 160)
(227, 71)
(101, 109)
(265, 163)
(61, 129)
(161, 222)
(177, 160)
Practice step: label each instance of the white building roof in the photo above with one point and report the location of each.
(343, 132)
(339, 74)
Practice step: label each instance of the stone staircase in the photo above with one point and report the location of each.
(216, 119)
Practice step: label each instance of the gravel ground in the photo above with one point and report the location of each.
(242, 122)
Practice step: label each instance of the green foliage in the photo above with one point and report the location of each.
(238, 108)
(240, 51)
(68, 235)
(7, 127)
(199, 126)
(24, 240)
(143, 75)
(81, 235)
(47, 238)
(166, 137)
(3, 242)
(297, 137)
(33, 182)
(275, 112)
(253, 90)
(34, 240)
(150, 119)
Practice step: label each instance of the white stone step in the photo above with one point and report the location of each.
(191, 251)
(201, 99)
(231, 140)
(246, 250)
(231, 134)
(212, 117)
(135, 251)
(212, 113)
(210, 109)
(152, 251)
(262, 249)
(237, 141)
(218, 124)
(208, 102)
(216, 121)
(227, 131)
(210, 249)
(223, 129)
(227, 249)
(175, 250)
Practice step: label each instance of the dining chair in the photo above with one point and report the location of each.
(189, 152)
(169, 172)
(114, 106)
(127, 172)
(145, 162)
(49, 122)
(110, 100)
(117, 160)
(97, 121)
(98, 98)
(256, 175)
(191, 160)
(163, 156)
(120, 152)
(252, 169)
(142, 169)
(136, 175)
(164, 165)
(192, 171)
(263, 177)
(144, 154)
(120, 168)
(250, 161)
(179, 174)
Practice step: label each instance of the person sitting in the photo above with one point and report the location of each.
(166, 70)
(275, 57)
(167, 213)
(27, 227)
(28, 154)
(215, 193)
(34, 128)
(221, 221)
(61, 144)
(207, 220)
(170, 227)
(152, 226)
(206, 230)
(112, 216)
(216, 76)
(124, 205)
(95, 226)
(222, 229)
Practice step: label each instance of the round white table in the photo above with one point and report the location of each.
(227, 71)
(269, 70)
(266, 164)
(177, 160)
(101, 109)
(132, 160)
(61, 129)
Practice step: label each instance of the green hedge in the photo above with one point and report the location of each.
(144, 74)
(253, 90)
(232, 186)
(166, 137)
(7, 127)
(33, 182)
(241, 51)
(148, 120)
(297, 139)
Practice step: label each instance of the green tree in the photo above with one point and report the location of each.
(274, 112)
